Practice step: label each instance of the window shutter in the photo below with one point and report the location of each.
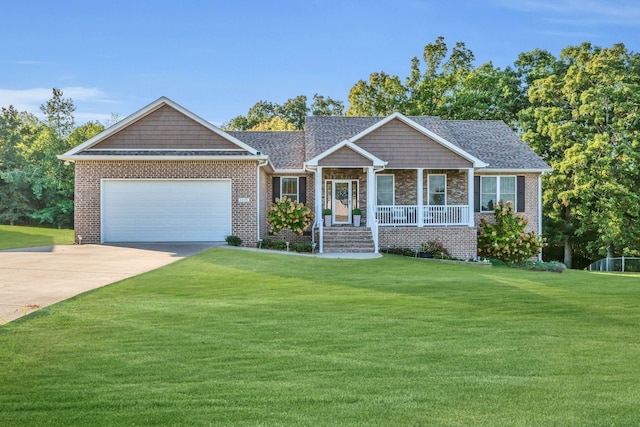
(520, 196)
(276, 188)
(476, 194)
(302, 189)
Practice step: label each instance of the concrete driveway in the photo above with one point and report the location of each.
(37, 277)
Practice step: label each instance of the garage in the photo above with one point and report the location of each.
(165, 210)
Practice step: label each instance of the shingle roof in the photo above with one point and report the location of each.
(491, 141)
(284, 148)
(164, 153)
(495, 143)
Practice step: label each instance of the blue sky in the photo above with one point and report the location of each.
(218, 58)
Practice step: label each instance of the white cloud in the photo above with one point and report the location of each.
(30, 100)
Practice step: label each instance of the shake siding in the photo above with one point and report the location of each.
(345, 157)
(166, 128)
(405, 147)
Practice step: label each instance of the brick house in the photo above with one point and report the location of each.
(165, 174)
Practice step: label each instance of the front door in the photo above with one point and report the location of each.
(342, 202)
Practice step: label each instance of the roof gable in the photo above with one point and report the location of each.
(165, 128)
(406, 143)
(162, 125)
(343, 155)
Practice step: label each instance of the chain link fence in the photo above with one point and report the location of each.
(622, 264)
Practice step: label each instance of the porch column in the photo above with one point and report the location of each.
(470, 197)
(371, 196)
(319, 218)
(420, 197)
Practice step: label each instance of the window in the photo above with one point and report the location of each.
(384, 190)
(289, 188)
(495, 188)
(437, 185)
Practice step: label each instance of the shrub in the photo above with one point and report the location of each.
(436, 248)
(286, 213)
(401, 251)
(233, 240)
(302, 247)
(265, 243)
(506, 240)
(554, 267)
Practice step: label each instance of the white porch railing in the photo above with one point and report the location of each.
(408, 215)
(446, 215)
(397, 215)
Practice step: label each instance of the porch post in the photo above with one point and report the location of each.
(319, 218)
(371, 195)
(420, 197)
(470, 197)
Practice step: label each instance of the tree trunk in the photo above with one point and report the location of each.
(610, 253)
(568, 252)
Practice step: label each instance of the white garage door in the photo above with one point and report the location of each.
(166, 210)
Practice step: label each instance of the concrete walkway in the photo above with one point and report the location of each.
(37, 277)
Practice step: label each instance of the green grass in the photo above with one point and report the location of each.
(244, 338)
(15, 237)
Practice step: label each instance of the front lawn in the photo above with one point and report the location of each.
(232, 337)
(15, 237)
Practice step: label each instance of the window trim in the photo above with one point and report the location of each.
(429, 188)
(498, 192)
(297, 178)
(393, 188)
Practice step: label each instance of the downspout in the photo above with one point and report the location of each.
(540, 212)
(372, 220)
(261, 163)
(317, 222)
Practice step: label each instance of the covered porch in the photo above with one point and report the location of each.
(420, 197)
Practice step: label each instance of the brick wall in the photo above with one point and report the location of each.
(89, 174)
(286, 235)
(461, 242)
(530, 204)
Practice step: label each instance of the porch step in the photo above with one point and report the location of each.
(348, 239)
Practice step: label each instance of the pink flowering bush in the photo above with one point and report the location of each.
(286, 213)
(506, 239)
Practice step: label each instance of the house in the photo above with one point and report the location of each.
(165, 174)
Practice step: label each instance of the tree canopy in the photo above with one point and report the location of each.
(583, 120)
(265, 115)
(36, 187)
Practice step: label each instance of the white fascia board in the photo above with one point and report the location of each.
(145, 111)
(283, 171)
(514, 171)
(476, 162)
(346, 143)
(74, 158)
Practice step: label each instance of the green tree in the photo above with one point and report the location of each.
(291, 115)
(322, 106)
(380, 96)
(583, 121)
(445, 84)
(16, 197)
(488, 93)
(432, 91)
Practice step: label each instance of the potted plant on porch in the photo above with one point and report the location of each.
(327, 217)
(357, 215)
